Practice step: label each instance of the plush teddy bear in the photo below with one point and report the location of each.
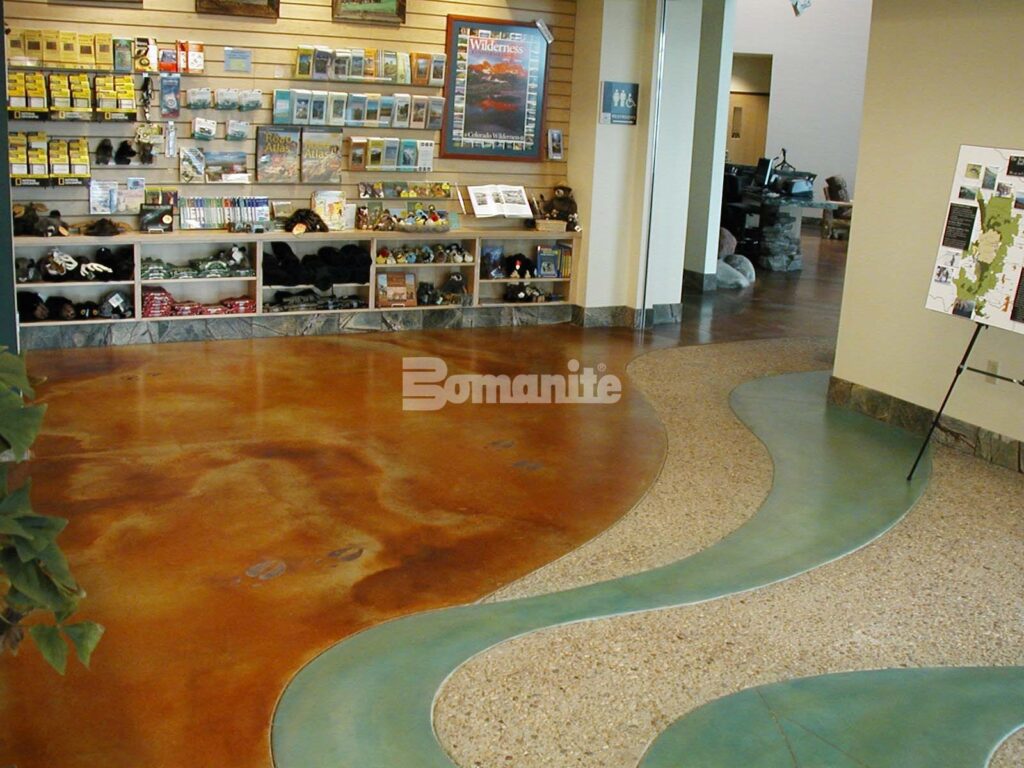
(519, 266)
(60, 308)
(562, 207)
(124, 153)
(31, 307)
(104, 152)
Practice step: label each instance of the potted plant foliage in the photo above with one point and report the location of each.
(32, 567)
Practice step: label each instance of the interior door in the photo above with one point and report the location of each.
(748, 127)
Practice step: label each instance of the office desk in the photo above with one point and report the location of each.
(779, 222)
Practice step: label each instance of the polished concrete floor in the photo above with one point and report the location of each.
(237, 507)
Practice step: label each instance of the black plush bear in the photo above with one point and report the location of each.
(121, 263)
(305, 220)
(60, 308)
(145, 153)
(87, 310)
(282, 267)
(562, 207)
(31, 307)
(518, 265)
(124, 153)
(104, 152)
(27, 221)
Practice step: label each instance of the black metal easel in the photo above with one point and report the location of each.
(959, 369)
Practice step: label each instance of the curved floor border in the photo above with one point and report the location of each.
(838, 484)
(892, 718)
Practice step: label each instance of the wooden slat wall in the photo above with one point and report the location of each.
(273, 45)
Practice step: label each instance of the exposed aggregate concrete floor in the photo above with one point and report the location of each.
(945, 587)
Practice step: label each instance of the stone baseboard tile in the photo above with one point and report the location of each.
(985, 444)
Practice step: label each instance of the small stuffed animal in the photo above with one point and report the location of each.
(52, 225)
(87, 310)
(122, 263)
(562, 207)
(103, 228)
(56, 266)
(145, 153)
(305, 220)
(60, 308)
(25, 270)
(427, 295)
(31, 307)
(104, 152)
(124, 153)
(519, 266)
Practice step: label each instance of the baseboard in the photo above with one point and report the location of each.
(982, 443)
(699, 282)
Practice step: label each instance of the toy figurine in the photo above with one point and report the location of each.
(104, 152)
(562, 207)
(124, 153)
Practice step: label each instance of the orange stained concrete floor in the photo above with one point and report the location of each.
(238, 507)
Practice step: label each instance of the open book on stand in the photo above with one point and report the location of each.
(500, 200)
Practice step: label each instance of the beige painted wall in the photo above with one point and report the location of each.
(929, 89)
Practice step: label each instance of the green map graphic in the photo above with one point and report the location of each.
(999, 228)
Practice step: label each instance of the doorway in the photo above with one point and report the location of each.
(749, 99)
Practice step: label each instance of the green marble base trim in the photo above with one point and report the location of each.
(699, 282)
(985, 444)
(272, 325)
(892, 718)
(838, 484)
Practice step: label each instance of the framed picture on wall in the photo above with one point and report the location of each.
(370, 11)
(267, 9)
(495, 90)
(555, 151)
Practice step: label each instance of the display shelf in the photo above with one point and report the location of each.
(75, 284)
(173, 246)
(158, 281)
(93, 321)
(525, 280)
(306, 287)
(201, 317)
(434, 265)
(486, 303)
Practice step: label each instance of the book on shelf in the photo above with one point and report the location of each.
(548, 259)
(330, 205)
(500, 200)
(492, 260)
(321, 156)
(564, 257)
(396, 289)
(277, 155)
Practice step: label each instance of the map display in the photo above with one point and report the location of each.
(980, 261)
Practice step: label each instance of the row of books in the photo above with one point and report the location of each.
(295, 106)
(318, 62)
(219, 212)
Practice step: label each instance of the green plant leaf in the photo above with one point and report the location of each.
(18, 503)
(43, 529)
(13, 373)
(20, 602)
(10, 527)
(32, 582)
(85, 635)
(56, 566)
(51, 645)
(19, 423)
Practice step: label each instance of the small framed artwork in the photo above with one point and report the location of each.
(555, 149)
(266, 9)
(370, 11)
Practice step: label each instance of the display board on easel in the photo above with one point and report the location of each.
(980, 261)
(978, 272)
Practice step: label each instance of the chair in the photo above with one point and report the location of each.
(836, 223)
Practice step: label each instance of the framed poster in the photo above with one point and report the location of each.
(371, 11)
(267, 9)
(494, 89)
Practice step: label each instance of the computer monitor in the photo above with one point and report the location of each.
(763, 174)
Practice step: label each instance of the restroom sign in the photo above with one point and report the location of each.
(619, 102)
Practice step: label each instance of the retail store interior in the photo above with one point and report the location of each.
(650, 403)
